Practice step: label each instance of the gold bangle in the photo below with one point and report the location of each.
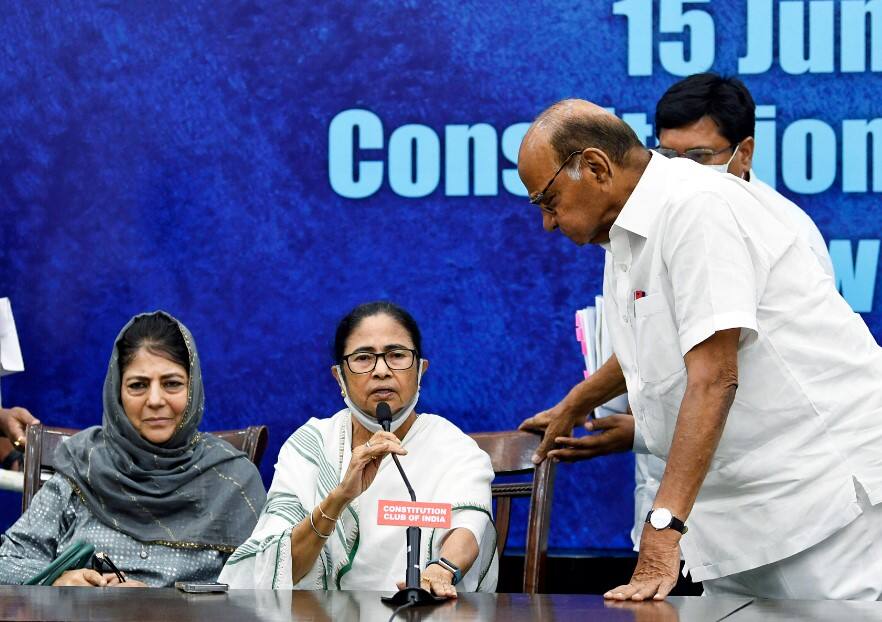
(317, 532)
(325, 516)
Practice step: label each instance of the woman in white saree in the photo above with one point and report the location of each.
(318, 529)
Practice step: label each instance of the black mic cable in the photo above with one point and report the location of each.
(412, 575)
(384, 417)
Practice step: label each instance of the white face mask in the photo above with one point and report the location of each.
(369, 421)
(724, 168)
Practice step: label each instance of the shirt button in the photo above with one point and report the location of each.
(143, 554)
(625, 319)
(623, 268)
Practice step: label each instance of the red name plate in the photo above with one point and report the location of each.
(413, 514)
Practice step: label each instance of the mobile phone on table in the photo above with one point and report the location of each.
(193, 587)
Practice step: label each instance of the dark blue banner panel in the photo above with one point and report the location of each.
(258, 168)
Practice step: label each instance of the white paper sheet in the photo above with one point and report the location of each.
(10, 352)
(11, 480)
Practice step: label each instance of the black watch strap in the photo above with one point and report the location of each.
(676, 524)
(449, 566)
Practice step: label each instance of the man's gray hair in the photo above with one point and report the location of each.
(570, 129)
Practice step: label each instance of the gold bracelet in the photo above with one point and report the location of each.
(317, 532)
(325, 516)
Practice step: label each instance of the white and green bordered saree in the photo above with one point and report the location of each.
(443, 464)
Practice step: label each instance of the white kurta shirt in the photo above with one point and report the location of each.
(695, 252)
(795, 218)
(648, 469)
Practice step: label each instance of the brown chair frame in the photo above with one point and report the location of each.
(39, 463)
(510, 454)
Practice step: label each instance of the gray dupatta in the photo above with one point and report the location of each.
(194, 491)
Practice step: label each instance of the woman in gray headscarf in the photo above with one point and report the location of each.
(165, 502)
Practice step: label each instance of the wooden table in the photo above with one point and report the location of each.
(809, 611)
(169, 605)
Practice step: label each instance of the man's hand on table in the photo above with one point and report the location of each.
(657, 567)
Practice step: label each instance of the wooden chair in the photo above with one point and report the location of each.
(511, 453)
(39, 464)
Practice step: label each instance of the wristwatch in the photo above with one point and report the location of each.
(661, 518)
(448, 565)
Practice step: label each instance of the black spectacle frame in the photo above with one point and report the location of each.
(377, 356)
(536, 199)
(102, 563)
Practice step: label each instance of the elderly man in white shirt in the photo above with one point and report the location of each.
(710, 119)
(745, 369)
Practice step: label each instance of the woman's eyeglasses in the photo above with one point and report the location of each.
(398, 359)
(102, 563)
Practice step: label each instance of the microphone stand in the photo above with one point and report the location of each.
(412, 594)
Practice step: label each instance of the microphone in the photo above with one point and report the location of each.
(384, 417)
(412, 594)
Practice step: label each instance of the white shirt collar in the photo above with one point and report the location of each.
(643, 205)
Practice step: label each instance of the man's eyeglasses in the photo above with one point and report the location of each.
(537, 198)
(700, 155)
(398, 359)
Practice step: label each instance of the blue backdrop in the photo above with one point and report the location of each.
(257, 168)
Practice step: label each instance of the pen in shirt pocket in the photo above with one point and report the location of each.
(638, 294)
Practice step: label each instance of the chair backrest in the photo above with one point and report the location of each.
(251, 441)
(42, 442)
(511, 453)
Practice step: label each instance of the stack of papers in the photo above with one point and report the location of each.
(593, 336)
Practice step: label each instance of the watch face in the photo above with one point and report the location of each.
(661, 518)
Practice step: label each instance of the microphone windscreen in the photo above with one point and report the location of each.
(384, 415)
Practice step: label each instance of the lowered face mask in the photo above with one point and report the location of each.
(368, 420)
(723, 168)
